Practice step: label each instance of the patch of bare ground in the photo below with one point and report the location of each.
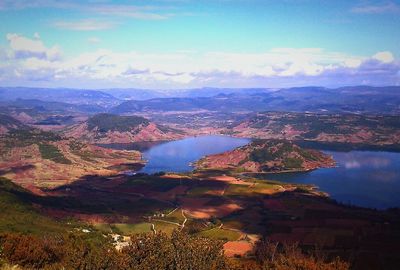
(235, 248)
(27, 167)
(198, 208)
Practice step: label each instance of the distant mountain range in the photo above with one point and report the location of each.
(354, 99)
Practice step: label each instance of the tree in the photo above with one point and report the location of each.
(180, 251)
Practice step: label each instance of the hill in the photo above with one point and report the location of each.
(109, 128)
(267, 156)
(337, 128)
(351, 99)
(72, 96)
(16, 201)
(8, 123)
(35, 158)
(356, 99)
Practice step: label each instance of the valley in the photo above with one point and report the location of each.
(199, 135)
(176, 164)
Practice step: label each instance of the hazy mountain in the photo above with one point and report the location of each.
(53, 106)
(357, 99)
(72, 96)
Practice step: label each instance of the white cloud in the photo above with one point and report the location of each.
(23, 47)
(141, 12)
(137, 12)
(274, 68)
(384, 57)
(85, 25)
(93, 40)
(377, 9)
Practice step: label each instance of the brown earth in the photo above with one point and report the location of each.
(141, 133)
(240, 159)
(232, 248)
(25, 165)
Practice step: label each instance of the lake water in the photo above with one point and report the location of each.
(176, 156)
(362, 178)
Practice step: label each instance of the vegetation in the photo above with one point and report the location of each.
(220, 234)
(179, 251)
(270, 150)
(288, 257)
(80, 251)
(292, 163)
(11, 123)
(17, 214)
(321, 126)
(110, 122)
(52, 153)
(266, 156)
(22, 137)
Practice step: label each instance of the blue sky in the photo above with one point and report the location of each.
(188, 43)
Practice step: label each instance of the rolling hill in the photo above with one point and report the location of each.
(109, 128)
(267, 156)
(35, 158)
(338, 128)
(357, 99)
(8, 123)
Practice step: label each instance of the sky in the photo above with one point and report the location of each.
(172, 44)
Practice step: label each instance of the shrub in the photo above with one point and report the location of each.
(51, 152)
(106, 122)
(292, 162)
(180, 251)
(28, 250)
(288, 257)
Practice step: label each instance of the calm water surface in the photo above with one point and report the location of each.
(363, 178)
(176, 156)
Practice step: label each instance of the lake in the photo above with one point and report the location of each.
(363, 178)
(176, 156)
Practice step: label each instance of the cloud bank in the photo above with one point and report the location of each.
(28, 61)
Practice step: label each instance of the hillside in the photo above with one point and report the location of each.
(357, 99)
(34, 158)
(109, 128)
(8, 123)
(267, 156)
(72, 96)
(339, 128)
(16, 201)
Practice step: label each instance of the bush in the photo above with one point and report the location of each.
(105, 122)
(146, 251)
(29, 251)
(180, 252)
(48, 151)
(288, 257)
(292, 163)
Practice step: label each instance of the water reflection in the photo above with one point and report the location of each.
(176, 156)
(353, 160)
(364, 178)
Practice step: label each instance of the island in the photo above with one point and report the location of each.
(267, 156)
